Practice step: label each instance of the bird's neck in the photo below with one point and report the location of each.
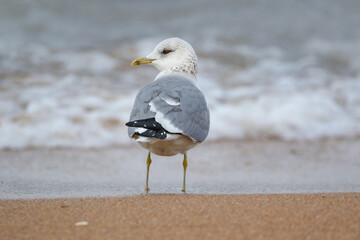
(186, 74)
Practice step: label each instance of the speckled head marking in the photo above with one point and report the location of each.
(174, 55)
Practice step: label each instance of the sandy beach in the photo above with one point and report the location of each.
(281, 80)
(236, 190)
(157, 216)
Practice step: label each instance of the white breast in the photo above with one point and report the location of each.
(172, 145)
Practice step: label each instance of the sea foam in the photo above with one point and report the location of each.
(86, 100)
(66, 80)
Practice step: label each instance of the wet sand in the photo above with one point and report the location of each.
(223, 167)
(157, 216)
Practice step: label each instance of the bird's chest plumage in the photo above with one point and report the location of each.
(174, 144)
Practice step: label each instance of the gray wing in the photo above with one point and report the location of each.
(176, 103)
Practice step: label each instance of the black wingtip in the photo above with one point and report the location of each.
(153, 128)
(149, 123)
(161, 134)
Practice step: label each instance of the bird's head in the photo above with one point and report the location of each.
(172, 55)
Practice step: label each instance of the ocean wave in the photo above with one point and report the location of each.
(66, 80)
(83, 98)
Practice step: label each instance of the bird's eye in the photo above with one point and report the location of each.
(166, 51)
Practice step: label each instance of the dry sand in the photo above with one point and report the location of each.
(267, 216)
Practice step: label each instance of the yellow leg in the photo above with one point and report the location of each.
(148, 162)
(185, 164)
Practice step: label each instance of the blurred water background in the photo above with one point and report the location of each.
(282, 69)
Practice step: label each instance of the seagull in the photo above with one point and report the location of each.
(170, 115)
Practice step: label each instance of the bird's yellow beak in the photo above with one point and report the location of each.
(142, 60)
